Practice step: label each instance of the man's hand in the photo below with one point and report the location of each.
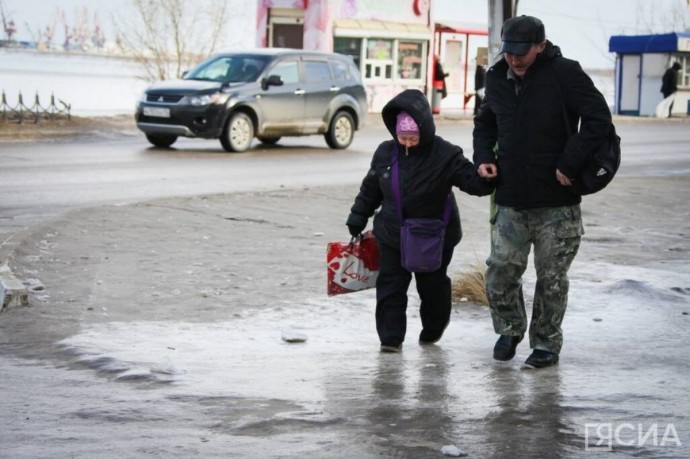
(488, 170)
(562, 179)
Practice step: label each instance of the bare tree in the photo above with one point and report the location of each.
(665, 17)
(169, 36)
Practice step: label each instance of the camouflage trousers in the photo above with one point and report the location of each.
(555, 234)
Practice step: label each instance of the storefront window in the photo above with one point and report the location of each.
(385, 59)
(349, 47)
(379, 62)
(379, 49)
(410, 60)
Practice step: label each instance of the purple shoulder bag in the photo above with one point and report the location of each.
(421, 239)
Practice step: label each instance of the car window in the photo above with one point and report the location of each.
(252, 68)
(339, 70)
(213, 70)
(317, 71)
(229, 69)
(287, 71)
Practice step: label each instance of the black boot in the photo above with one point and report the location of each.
(391, 347)
(431, 336)
(541, 359)
(505, 347)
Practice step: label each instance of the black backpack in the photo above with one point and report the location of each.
(600, 167)
(602, 163)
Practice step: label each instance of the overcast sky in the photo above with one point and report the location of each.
(581, 28)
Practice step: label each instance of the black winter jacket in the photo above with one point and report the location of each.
(427, 173)
(531, 132)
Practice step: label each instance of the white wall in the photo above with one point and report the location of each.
(92, 85)
(653, 68)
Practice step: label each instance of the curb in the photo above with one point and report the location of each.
(460, 117)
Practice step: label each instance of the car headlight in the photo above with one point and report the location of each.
(217, 98)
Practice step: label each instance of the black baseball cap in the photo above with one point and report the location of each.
(520, 33)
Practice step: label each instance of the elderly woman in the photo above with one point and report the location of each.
(425, 167)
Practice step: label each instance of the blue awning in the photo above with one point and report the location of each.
(639, 44)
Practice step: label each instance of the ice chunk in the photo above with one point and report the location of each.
(453, 451)
(294, 337)
(166, 367)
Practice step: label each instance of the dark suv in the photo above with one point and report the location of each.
(267, 94)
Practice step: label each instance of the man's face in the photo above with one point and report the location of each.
(520, 64)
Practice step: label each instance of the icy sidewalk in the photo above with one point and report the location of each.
(159, 327)
(428, 396)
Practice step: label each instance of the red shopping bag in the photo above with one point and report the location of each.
(352, 266)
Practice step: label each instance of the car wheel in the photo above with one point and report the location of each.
(161, 140)
(269, 140)
(341, 131)
(238, 133)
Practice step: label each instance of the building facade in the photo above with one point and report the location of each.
(391, 41)
(641, 61)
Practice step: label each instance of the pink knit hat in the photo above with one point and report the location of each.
(406, 125)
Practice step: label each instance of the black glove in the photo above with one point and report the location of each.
(355, 230)
(356, 224)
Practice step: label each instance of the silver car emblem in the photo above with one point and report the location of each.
(160, 99)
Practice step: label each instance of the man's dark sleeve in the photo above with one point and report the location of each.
(485, 132)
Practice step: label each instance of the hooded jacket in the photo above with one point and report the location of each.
(529, 126)
(669, 82)
(427, 173)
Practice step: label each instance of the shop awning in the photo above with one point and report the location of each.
(462, 28)
(640, 44)
(380, 29)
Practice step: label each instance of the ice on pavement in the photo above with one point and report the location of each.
(624, 361)
(452, 451)
(292, 336)
(235, 356)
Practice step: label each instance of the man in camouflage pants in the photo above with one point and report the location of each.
(555, 233)
(534, 99)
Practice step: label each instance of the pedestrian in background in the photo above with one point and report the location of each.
(428, 168)
(529, 94)
(440, 75)
(479, 83)
(669, 83)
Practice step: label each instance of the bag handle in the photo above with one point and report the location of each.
(395, 183)
(568, 129)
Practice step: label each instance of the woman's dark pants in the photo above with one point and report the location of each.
(391, 296)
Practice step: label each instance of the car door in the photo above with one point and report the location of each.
(320, 90)
(282, 107)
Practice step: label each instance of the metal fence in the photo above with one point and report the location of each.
(19, 113)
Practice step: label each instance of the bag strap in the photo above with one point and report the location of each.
(612, 128)
(568, 130)
(448, 210)
(395, 183)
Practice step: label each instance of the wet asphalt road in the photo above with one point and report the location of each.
(221, 384)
